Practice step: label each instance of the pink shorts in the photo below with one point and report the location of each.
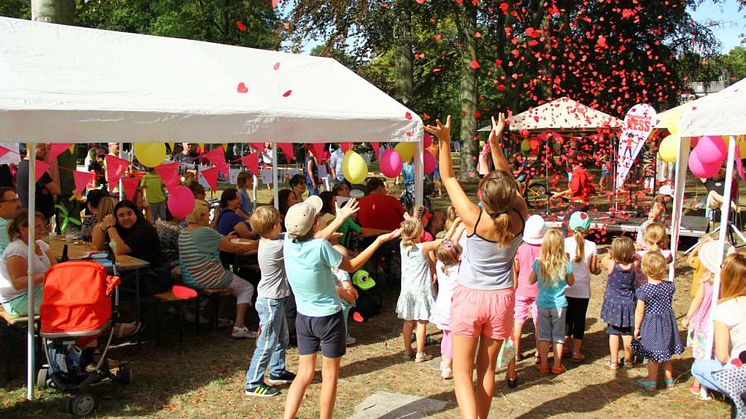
(524, 305)
(476, 313)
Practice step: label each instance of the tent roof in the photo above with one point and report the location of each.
(563, 114)
(721, 114)
(70, 84)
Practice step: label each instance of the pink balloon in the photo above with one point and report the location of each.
(711, 150)
(390, 163)
(701, 169)
(181, 201)
(428, 140)
(429, 162)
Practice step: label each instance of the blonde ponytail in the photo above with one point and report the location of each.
(579, 245)
(502, 225)
(411, 231)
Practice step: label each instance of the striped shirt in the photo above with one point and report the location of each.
(199, 259)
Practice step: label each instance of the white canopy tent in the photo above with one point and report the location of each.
(720, 114)
(63, 84)
(563, 114)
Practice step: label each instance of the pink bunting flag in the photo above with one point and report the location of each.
(257, 146)
(211, 176)
(216, 156)
(376, 148)
(251, 162)
(57, 149)
(3, 151)
(319, 150)
(130, 185)
(347, 146)
(169, 173)
(41, 168)
(115, 168)
(82, 180)
(287, 149)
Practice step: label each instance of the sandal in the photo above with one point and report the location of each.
(445, 373)
(543, 370)
(422, 357)
(611, 364)
(558, 370)
(578, 358)
(408, 355)
(647, 385)
(511, 382)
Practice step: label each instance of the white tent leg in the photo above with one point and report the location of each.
(419, 170)
(682, 157)
(30, 376)
(275, 191)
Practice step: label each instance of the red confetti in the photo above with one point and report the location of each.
(288, 93)
(242, 88)
(276, 66)
(275, 3)
(474, 64)
(408, 115)
(241, 27)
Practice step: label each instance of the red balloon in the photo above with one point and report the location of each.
(711, 150)
(390, 163)
(428, 139)
(181, 201)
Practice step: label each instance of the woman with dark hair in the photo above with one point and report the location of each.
(229, 220)
(287, 199)
(311, 172)
(328, 210)
(128, 233)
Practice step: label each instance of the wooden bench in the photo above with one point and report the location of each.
(169, 297)
(10, 324)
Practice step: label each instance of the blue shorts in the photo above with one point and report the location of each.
(616, 330)
(436, 173)
(552, 324)
(326, 333)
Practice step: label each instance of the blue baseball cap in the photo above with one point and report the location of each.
(580, 220)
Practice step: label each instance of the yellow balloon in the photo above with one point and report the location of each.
(525, 146)
(405, 150)
(150, 154)
(669, 148)
(354, 168)
(672, 119)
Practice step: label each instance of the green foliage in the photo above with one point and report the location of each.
(203, 20)
(18, 9)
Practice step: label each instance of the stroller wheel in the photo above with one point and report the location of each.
(41, 378)
(124, 375)
(81, 405)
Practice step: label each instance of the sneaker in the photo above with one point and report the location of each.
(349, 341)
(285, 377)
(262, 390)
(243, 333)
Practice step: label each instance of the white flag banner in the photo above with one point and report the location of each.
(638, 123)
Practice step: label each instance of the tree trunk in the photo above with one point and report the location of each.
(62, 12)
(53, 11)
(403, 57)
(467, 22)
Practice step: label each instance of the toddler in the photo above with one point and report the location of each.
(347, 293)
(449, 256)
(656, 334)
(584, 256)
(416, 298)
(552, 271)
(618, 308)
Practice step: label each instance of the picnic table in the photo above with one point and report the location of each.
(80, 249)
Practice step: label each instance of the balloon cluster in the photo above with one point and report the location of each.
(392, 160)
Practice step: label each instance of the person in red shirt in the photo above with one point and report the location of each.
(378, 209)
(580, 190)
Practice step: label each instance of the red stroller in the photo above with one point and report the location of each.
(76, 309)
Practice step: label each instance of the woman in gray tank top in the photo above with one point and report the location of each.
(482, 304)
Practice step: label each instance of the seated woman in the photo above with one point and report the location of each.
(199, 260)
(128, 233)
(229, 220)
(14, 265)
(98, 234)
(93, 198)
(729, 320)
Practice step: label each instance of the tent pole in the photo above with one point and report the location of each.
(419, 169)
(275, 192)
(30, 347)
(682, 157)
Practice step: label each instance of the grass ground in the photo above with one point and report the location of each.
(203, 376)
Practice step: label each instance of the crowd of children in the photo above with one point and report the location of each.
(492, 269)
